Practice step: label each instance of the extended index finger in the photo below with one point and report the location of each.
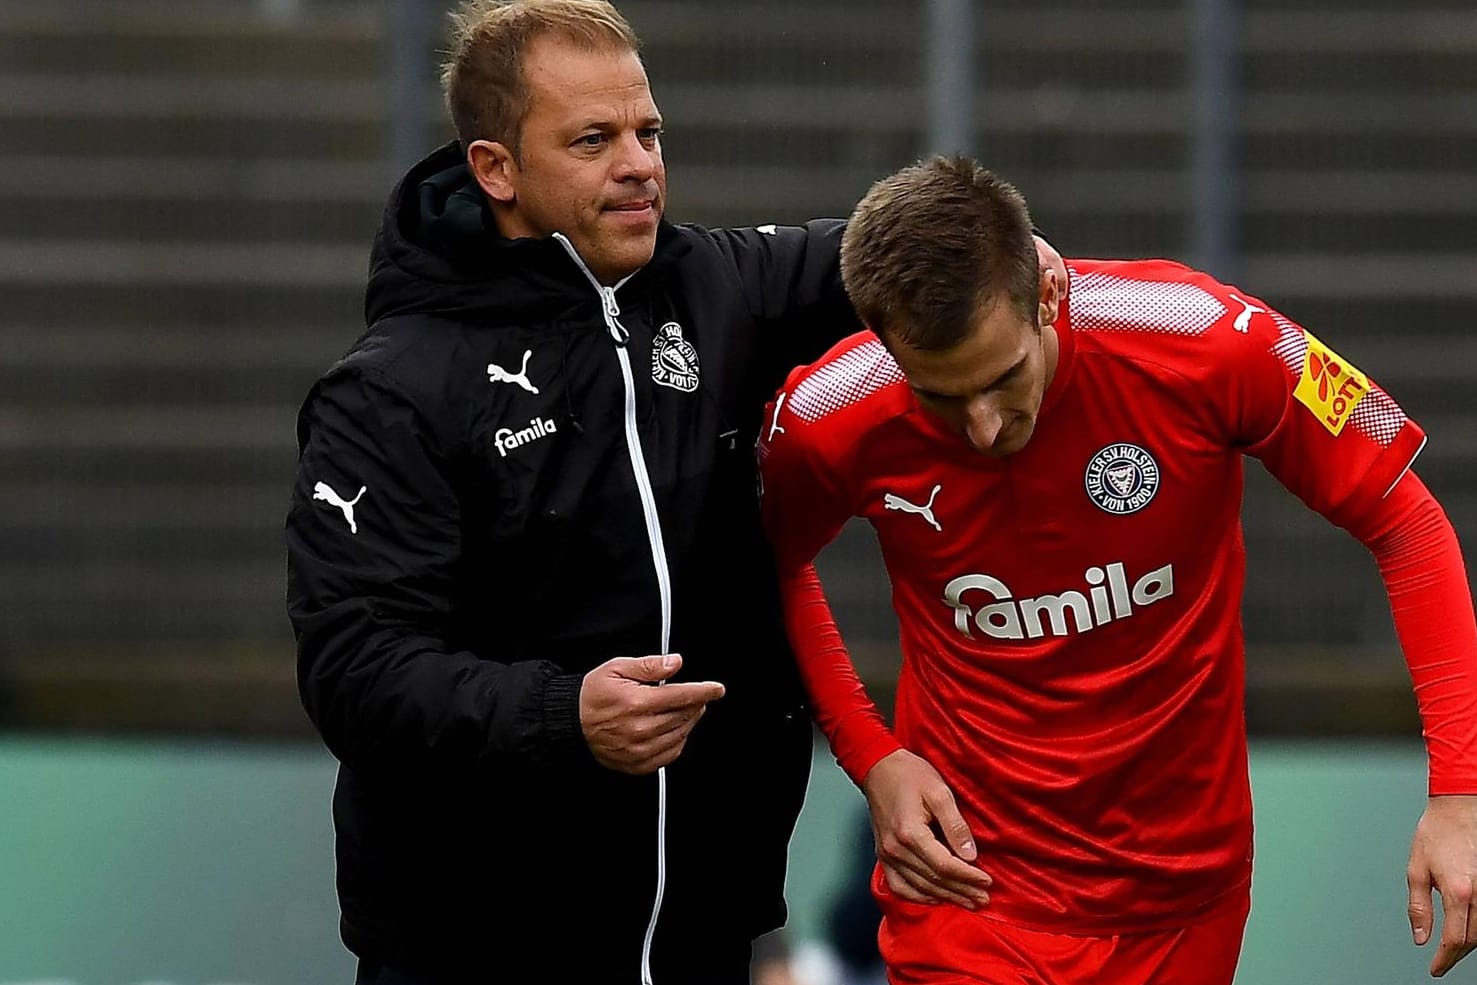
(680, 695)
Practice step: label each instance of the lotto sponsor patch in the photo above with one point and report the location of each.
(1330, 386)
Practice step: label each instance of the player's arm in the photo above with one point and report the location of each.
(1421, 563)
(804, 509)
(1343, 446)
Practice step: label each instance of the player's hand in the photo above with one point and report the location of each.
(1443, 855)
(911, 808)
(630, 724)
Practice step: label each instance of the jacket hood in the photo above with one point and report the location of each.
(438, 252)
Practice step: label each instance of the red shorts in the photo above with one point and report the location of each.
(944, 944)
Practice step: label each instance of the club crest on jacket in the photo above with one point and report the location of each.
(673, 359)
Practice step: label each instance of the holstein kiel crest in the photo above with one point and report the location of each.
(1122, 478)
(673, 359)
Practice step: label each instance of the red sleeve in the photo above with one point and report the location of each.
(803, 504)
(851, 723)
(804, 507)
(1325, 430)
(1421, 563)
(1334, 438)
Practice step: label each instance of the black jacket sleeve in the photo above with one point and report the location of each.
(373, 545)
(791, 277)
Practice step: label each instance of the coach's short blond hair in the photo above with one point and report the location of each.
(482, 77)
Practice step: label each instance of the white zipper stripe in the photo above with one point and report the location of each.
(648, 499)
(663, 578)
(611, 311)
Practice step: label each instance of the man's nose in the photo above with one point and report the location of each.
(634, 160)
(983, 423)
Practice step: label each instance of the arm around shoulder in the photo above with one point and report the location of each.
(790, 277)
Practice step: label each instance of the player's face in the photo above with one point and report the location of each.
(590, 159)
(988, 388)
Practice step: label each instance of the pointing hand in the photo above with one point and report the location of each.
(630, 723)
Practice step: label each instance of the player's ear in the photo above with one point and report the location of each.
(1049, 300)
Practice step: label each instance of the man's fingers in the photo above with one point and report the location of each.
(643, 731)
(679, 696)
(932, 869)
(1456, 913)
(940, 865)
(661, 730)
(900, 886)
(1471, 927)
(652, 754)
(1418, 881)
(951, 823)
(658, 668)
(916, 888)
(658, 732)
(1447, 955)
(649, 669)
(923, 842)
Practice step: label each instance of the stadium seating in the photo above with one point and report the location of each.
(188, 189)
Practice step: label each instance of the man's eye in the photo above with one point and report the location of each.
(649, 134)
(591, 140)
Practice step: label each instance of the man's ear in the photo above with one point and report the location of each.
(1049, 301)
(495, 169)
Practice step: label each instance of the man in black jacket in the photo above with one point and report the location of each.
(524, 499)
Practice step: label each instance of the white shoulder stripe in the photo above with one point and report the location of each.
(1291, 346)
(1103, 302)
(847, 380)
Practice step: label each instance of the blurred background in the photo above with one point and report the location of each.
(188, 189)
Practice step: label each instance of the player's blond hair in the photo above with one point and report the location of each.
(930, 247)
(482, 76)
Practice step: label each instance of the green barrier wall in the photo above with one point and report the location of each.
(125, 863)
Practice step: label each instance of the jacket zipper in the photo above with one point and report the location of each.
(611, 309)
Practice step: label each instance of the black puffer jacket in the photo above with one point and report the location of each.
(469, 536)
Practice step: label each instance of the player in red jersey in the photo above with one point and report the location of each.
(1053, 468)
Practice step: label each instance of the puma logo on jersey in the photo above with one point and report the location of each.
(1009, 618)
(496, 374)
(1243, 320)
(891, 502)
(767, 229)
(506, 438)
(323, 491)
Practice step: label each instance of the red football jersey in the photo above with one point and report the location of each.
(1070, 614)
